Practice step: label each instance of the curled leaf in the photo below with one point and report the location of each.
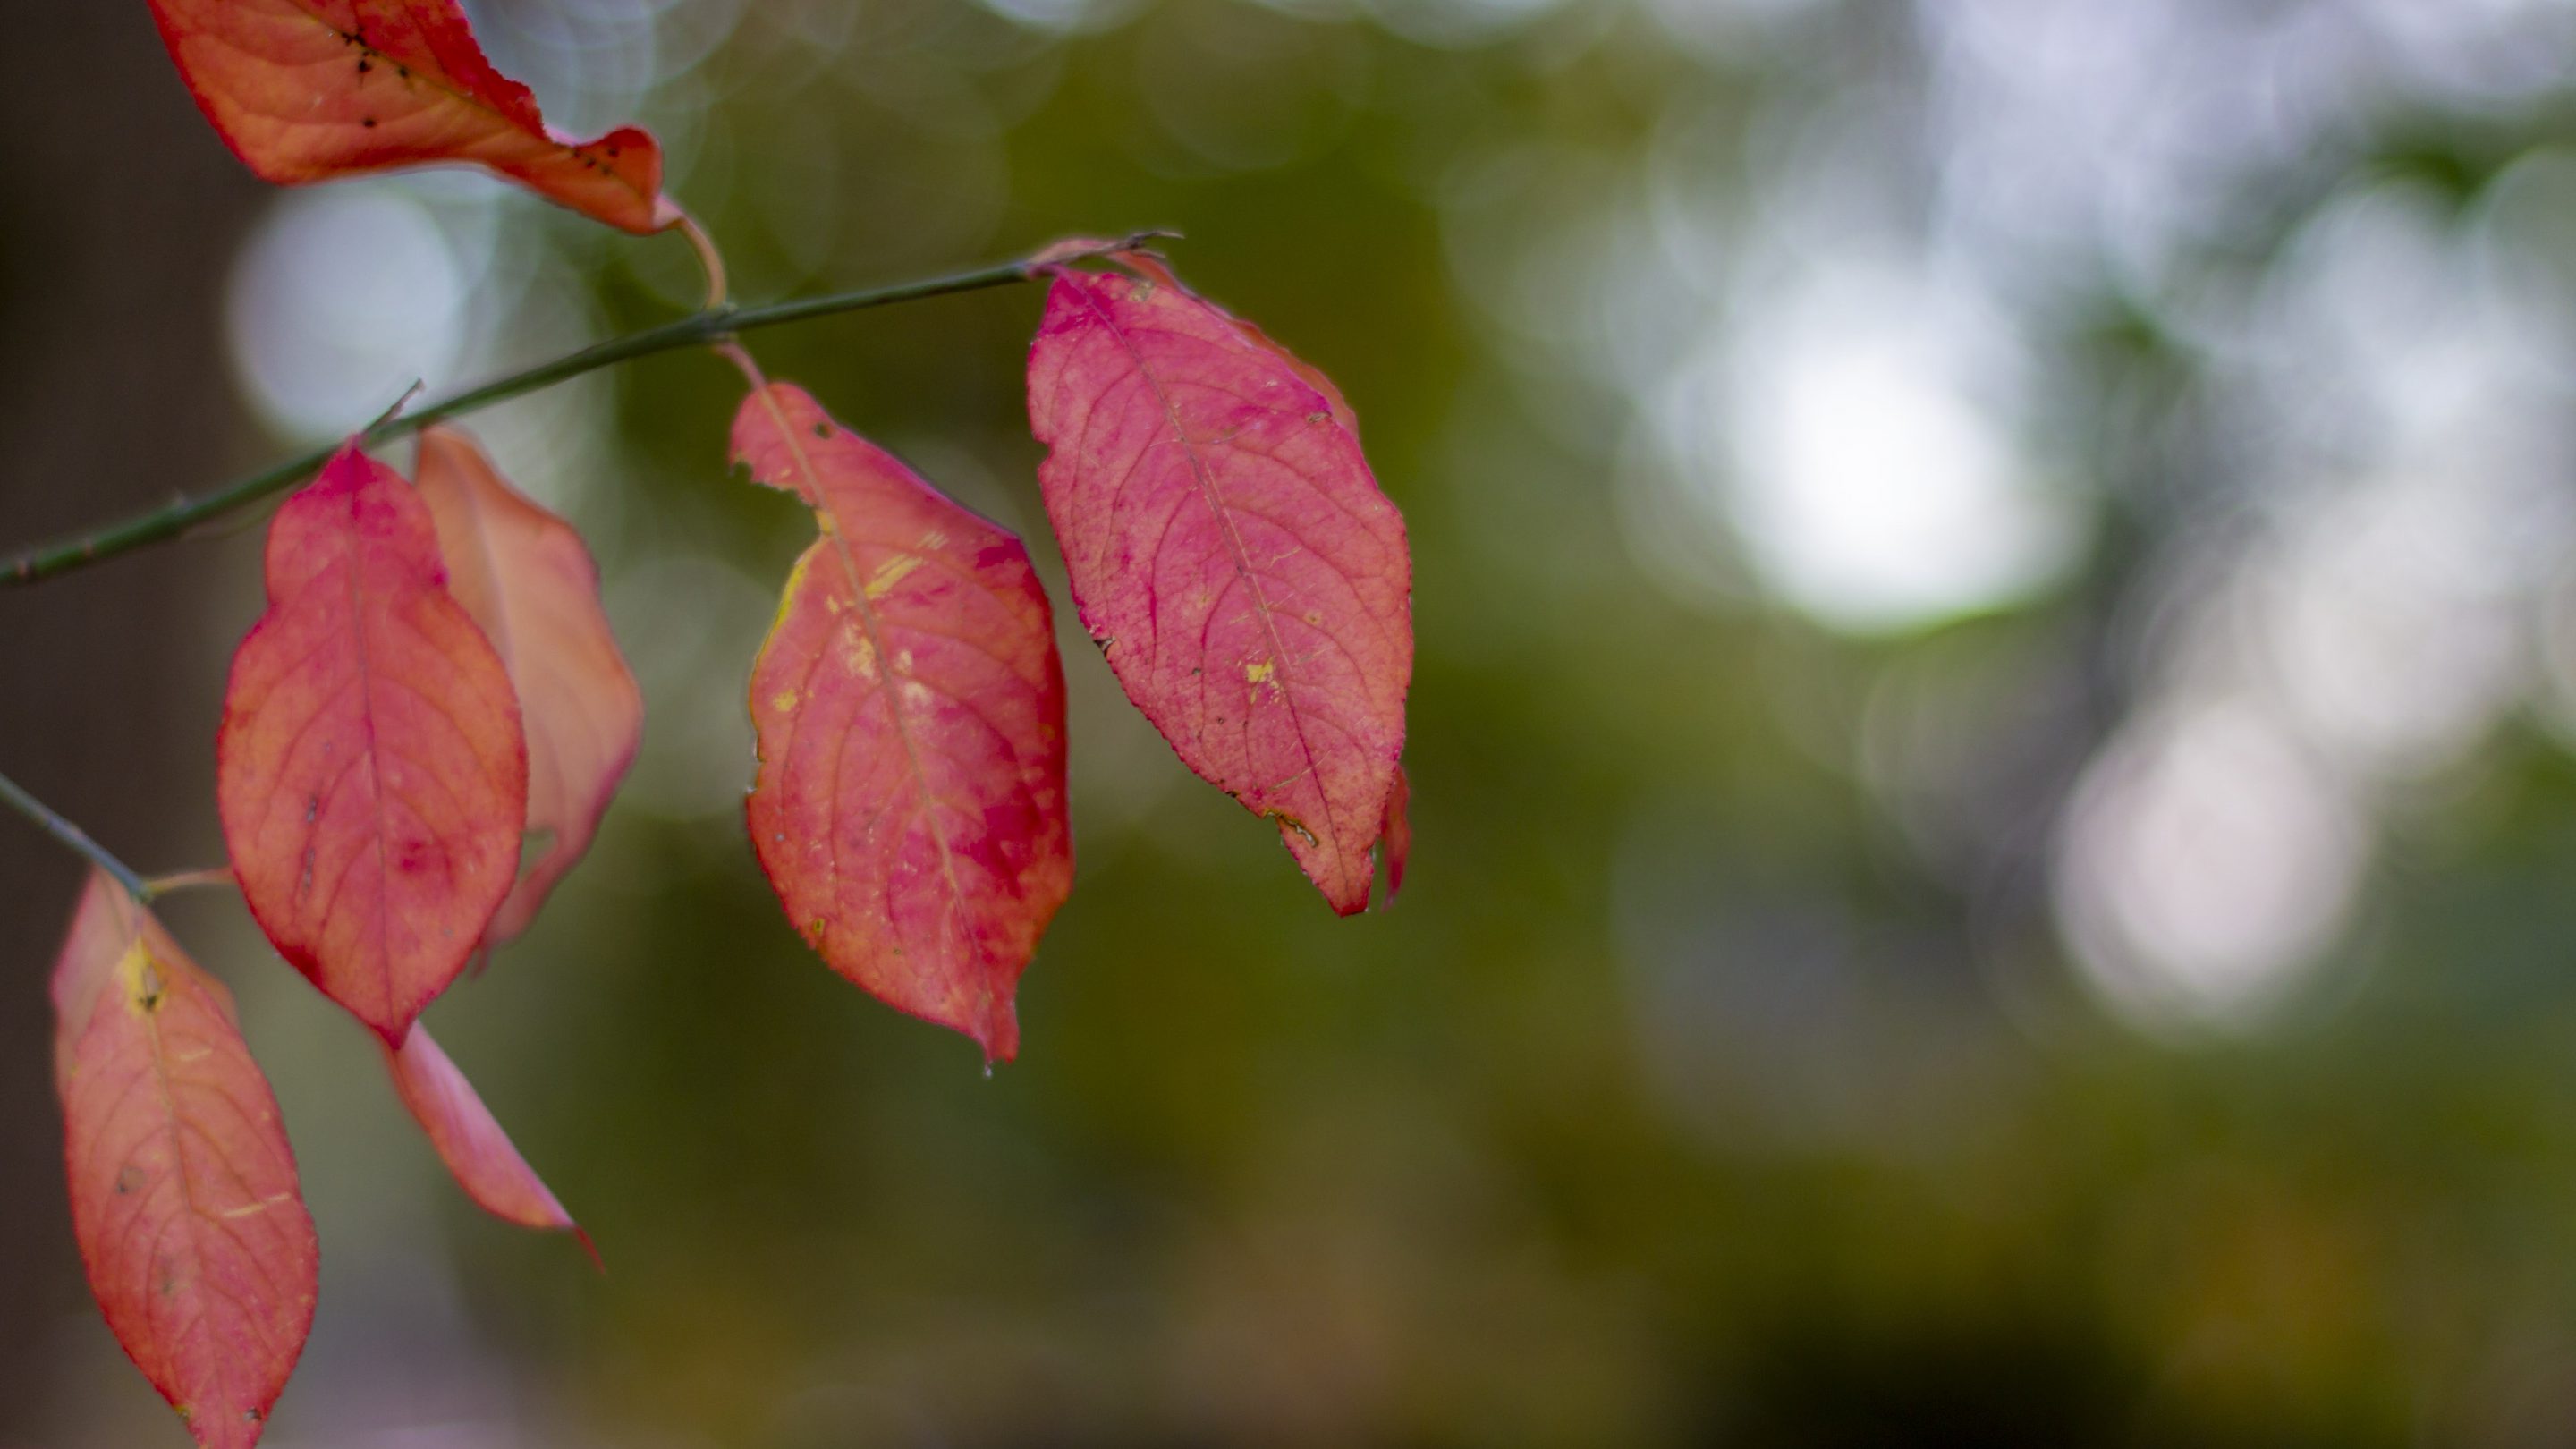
(910, 808)
(184, 1198)
(1232, 556)
(370, 770)
(477, 1152)
(1398, 832)
(309, 90)
(526, 578)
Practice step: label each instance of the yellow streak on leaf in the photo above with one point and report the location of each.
(890, 573)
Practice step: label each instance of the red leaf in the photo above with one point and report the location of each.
(910, 809)
(472, 1145)
(309, 90)
(370, 770)
(1232, 555)
(523, 574)
(184, 1197)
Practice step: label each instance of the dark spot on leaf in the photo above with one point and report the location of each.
(822, 430)
(368, 121)
(128, 1180)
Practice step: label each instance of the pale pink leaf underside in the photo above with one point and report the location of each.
(477, 1152)
(527, 579)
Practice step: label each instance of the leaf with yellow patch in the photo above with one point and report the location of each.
(183, 1189)
(910, 807)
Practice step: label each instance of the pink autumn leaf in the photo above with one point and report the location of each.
(910, 809)
(184, 1197)
(370, 770)
(528, 580)
(1231, 554)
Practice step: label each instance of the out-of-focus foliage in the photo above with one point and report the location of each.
(1996, 663)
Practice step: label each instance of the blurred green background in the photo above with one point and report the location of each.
(1990, 750)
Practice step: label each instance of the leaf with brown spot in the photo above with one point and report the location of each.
(370, 770)
(910, 807)
(184, 1197)
(309, 90)
(525, 576)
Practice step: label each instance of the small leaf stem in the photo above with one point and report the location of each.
(73, 838)
(714, 325)
(209, 878)
(710, 261)
(740, 356)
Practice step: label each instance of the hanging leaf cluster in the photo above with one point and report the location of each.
(423, 728)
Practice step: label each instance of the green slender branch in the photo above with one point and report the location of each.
(178, 517)
(73, 837)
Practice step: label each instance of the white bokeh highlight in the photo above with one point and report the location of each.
(340, 300)
(1866, 450)
(2205, 862)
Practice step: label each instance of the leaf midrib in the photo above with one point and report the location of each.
(1215, 504)
(886, 682)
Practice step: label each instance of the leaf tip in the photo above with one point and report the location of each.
(997, 1032)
